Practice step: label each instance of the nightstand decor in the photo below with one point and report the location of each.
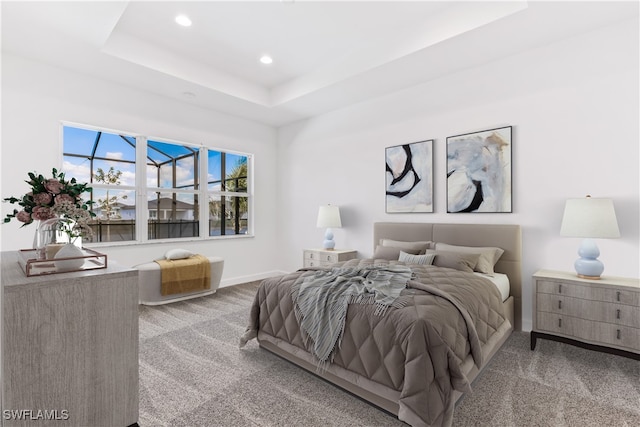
(329, 217)
(589, 218)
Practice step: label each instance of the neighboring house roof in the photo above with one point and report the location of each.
(166, 203)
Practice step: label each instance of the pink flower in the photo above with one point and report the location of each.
(50, 198)
(42, 199)
(24, 216)
(64, 197)
(42, 213)
(53, 186)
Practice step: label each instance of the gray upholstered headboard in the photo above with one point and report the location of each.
(505, 236)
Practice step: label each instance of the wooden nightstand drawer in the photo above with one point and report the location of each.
(619, 314)
(322, 258)
(589, 291)
(591, 331)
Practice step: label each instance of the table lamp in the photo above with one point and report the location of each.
(329, 217)
(589, 218)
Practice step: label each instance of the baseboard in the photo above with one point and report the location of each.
(250, 278)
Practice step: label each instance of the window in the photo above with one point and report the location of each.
(227, 191)
(107, 161)
(170, 177)
(172, 182)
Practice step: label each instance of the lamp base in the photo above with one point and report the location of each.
(588, 266)
(582, 276)
(328, 244)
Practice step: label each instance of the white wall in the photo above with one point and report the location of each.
(37, 97)
(575, 111)
(573, 105)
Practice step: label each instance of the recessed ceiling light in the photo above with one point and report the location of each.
(183, 20)
(266, 59)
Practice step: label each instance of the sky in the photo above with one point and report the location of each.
(121, 155)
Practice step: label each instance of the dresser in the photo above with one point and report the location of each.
(601, 315)
(323, 258)
(69, 347)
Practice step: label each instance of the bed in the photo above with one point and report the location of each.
(415, 360)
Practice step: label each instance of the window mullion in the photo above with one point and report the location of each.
(203, 193)
(142, 211)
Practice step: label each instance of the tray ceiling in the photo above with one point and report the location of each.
(326, 55)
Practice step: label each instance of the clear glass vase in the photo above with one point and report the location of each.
(49, 237)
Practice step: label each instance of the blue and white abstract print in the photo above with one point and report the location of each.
(409, 177)
(479, 171)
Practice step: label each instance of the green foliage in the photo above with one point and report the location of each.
(108, 204)
(47, 193)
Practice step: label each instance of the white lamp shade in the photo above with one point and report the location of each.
(589, 218)
(329, 217)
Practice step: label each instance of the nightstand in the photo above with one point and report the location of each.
(323, 258)
(602, 315)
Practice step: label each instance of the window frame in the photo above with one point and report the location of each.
(142, 190)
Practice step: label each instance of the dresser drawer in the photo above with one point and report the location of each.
(311, 263)
(602, 333)
(590, 291)
(320, 258)
(609, 312)
(312, 255)
(311, 259)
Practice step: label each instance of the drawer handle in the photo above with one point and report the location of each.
(617, 314)
(559, 323)
(618, 295)
(618, 334)
(560, 304)
(310, 256)
(311, 264)
(560, 288)
(328, 257)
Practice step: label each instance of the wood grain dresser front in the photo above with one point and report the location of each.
(601, 314)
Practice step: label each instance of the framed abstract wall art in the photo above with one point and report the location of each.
(409, 177)
(479, 171)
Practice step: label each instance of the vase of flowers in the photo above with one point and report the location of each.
(57, 239)
(56, 199)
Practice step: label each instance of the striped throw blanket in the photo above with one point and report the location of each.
(321, 299)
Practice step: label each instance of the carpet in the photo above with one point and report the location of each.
(192, 373)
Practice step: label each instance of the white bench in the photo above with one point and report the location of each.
(150, 279)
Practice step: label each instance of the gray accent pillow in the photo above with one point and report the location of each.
(391, 253)
(426, 259)
(421, 246)
(489, 256)
(456, 260)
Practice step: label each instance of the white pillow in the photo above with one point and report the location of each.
(178, 254)
(488, 255)
(416, 259)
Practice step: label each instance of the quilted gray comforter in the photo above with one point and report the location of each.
(417, 350)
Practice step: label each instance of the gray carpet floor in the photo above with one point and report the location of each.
(192, 373)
